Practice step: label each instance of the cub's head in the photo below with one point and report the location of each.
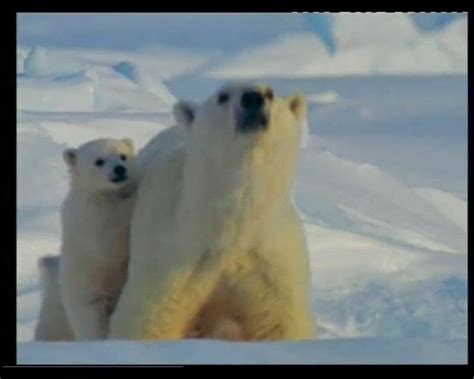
(240, 117)
(103, 164)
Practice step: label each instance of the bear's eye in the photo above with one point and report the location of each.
(223, 98)
(99, 162)
(123, 157)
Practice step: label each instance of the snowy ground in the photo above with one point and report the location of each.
(381, 186)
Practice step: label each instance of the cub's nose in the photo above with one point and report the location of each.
(120, 170)
(252, 100)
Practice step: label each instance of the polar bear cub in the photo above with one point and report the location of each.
(53, 324)
(95, 226)
(216, 245)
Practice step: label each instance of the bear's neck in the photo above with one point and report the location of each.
(232, 201)
(100, 199)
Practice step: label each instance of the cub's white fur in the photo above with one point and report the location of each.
(95, 221)
(52, 321)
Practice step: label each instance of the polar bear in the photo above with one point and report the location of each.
(52, 324)
(216, 245)
(169, 139)
(95, 221)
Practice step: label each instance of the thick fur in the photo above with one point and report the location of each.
(216, 244)
(52, 321)
(95, 223)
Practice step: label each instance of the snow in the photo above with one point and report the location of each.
(353, 29)
(361, 198)
(38, 153)
(267, 60)
(453, 208)
(97, 88)
(145, 81)
(346, 351)
(347, 45)
(381, 183)
(323, 98)
(396, 47)
(36, 63)
(75, 94)
(160, 62)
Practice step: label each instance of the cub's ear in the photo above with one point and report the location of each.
(297, 105)
(184, 113)
(70, 157)
(129, 142)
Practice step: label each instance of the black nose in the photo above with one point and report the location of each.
(120, 170)
(252, 100)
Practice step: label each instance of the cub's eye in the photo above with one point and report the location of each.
(223, 98)
(99, 162)
(123, 157)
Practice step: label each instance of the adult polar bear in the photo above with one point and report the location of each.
(216, 244)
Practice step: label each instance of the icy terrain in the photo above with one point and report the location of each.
(381, 182)
(397, 47)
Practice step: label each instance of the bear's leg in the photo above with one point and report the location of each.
(288, 318)
(280, 320)
(52, 322)
(166, 313)
(280, 300)
(226, 329)
(89, 319)
(298, 325)
(178, 311)
(274, 305)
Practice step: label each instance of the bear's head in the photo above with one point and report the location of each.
(241, 117)
(102, 165)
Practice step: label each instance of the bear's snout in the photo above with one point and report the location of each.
(252, 101)
(120, 174)
(120, 170)
(253, 117)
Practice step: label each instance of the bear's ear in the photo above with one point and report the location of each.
(297, 104)
(129, 142)
(184, 113)
(69, 156)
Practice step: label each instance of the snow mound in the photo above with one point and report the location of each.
(360, 198)
(74, 131)
(391, 29)
(366, 44)
(96, 88)
(166, 62)
(41, 63)
(145, 81)
(367, 287)
(117, 92)
(20, 60)
(67, 94)
(36, 63)
(450, 206)
(453, 39)
(41, 173)
(288, 56)
(160, 63)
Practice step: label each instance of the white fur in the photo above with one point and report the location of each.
(216, 244)
(165, 141)
(52, 321)
(95, 223)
